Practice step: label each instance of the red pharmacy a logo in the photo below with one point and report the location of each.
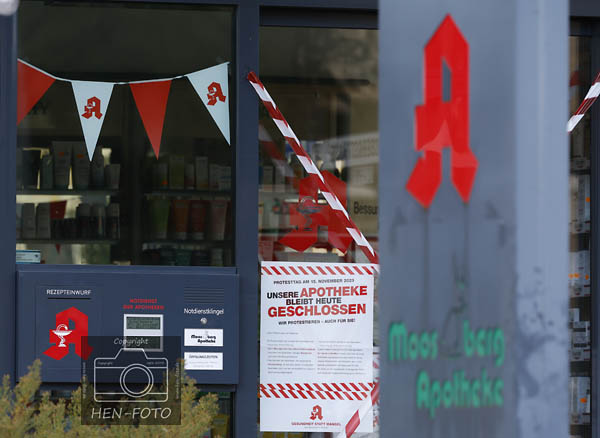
(215, 93)
(308, 215)
(316, 413)
(65, 334)
(92, 108)
(443, 121)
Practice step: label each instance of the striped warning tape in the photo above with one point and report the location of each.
(361, 412)
(367, 405)
(311, 168)
(320, 269)
(587, 102)
(324, 391)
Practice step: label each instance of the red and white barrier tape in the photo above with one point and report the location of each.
(323, 391)
(587, 102)
(311, 169)
(360, 414)
(276, 157)
(321, 269)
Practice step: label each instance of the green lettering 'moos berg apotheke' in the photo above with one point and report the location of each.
(458, 390)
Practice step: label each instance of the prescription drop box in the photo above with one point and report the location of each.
(59, 304)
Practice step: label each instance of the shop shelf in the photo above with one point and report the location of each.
(73, 192)
(168, 242)
(210, 194)
(67, 241)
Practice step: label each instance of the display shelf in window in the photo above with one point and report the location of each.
(151, 243)
(67, 192)
(206, 194)
(67, 241)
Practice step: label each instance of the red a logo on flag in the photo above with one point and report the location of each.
(66, 334)
(444, 123)
(215, 93)
(92, 108)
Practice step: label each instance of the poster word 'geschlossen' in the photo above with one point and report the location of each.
(316, 345)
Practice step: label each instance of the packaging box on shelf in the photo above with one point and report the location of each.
(579, 273)
(280, 174)
(43, 220)
(176, 172)
(224, 178)
(580, 341)
(574, 314)
(267, 178)
(579, 400)
(201, 173)
(580, 203)
(214, 175)
(28, 227)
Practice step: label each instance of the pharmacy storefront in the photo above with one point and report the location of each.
(151, 182)
(201, 180)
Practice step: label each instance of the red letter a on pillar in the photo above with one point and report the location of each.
(441, 124)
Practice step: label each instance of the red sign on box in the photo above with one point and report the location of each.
(65, 334)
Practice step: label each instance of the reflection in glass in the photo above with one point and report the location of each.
(124, 206)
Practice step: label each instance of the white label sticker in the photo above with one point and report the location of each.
(203, 337)
(203, 361)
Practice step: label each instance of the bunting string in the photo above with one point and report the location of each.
(58, 78)
(151, 95)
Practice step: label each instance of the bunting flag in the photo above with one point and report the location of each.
(212, 87)
(32, 84)
(92, 98)
(151, 101)
(92, 102)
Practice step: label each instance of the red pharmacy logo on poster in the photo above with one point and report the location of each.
(316, 413)
(215, 93)
(92, 108)
(66, 333)
(443, 120)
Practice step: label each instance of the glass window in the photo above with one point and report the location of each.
(325, 83)
(124, 206)
(580, 305)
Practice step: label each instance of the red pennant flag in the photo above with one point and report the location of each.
(31, 86)
(151, 100)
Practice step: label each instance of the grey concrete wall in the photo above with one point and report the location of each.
(498, 262)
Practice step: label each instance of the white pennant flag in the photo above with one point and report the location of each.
(92, 102)
(211, 84)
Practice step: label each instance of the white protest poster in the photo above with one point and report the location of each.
(316, 345)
